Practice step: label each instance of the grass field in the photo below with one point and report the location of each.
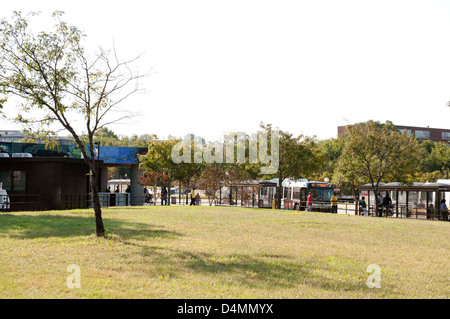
(213, 252)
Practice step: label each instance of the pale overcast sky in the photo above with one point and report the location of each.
(304, 66)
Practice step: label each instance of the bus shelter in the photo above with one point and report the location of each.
(244, 193)
(267, 193)
(418, 200)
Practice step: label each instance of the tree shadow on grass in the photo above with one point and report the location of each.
(46, 225)
(264, 271)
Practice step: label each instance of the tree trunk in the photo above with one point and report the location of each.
(375, 190)
(356, 198)
(99, 227)
(168, 194)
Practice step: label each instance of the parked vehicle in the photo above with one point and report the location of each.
(4, 200)
(22, 155)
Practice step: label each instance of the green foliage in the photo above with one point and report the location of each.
(436, 156)
(374, 153)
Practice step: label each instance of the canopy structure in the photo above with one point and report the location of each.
(417, 200)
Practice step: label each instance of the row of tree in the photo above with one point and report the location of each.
(369, 152)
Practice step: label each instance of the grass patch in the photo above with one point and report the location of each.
(220, 252)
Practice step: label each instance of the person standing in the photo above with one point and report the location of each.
(387, 202)
(334, 203)
(443, 210)
(309, 202)
(197, 199)
(363, 205)
(192, 197)
(380, 205)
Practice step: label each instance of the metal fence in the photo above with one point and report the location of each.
(403, 211)
(79, 201)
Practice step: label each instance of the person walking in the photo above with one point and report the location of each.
(163, 196)
(309, 202)
(334, 204)
(146, 195)
(443, 209)
(363, 205)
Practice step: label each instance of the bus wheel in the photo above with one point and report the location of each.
(295, 206)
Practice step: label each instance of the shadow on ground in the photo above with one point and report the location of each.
(45, 226)
(270, 272)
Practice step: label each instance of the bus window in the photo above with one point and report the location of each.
(297, 193)
(288, 193)
(321, 194)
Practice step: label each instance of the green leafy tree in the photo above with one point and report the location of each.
(437, 158)
(61, 86)
(159, 160)
(211, 180)
(331, 150)
(374, 153)
(154, 180)
(299, 157)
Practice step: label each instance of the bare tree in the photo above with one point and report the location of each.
(60, 85)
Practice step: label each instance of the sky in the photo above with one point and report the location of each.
(303, 66)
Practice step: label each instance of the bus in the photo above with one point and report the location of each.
(295, 192)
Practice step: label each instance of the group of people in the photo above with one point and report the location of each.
(195, 199)
(385, 204)
(334, 203)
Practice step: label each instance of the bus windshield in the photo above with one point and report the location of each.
(321, 194)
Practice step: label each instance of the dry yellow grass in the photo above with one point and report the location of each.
(213, 252)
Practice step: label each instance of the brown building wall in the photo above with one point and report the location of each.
(49, 178)
(435, 133)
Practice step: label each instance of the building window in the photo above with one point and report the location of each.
(13, 180)
(446, 136)
(405, 131)
(5, 179)
(422, 134)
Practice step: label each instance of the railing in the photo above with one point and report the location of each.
(404, 211)
(80, 201)
(20, 202)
